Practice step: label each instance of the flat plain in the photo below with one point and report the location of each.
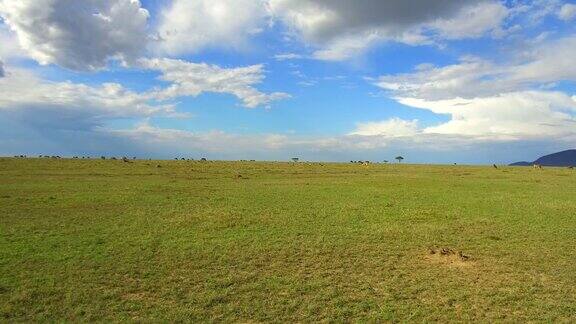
(95, 240)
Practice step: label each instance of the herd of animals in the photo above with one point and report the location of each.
(127, 160)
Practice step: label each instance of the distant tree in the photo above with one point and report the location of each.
(103, 157)
(385, 161)
(295, 159)
(399, 158)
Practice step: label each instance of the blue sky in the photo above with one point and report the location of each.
(460, 81)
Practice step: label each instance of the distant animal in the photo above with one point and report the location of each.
(203, 159)
(125, 160)
(537, 166)
(103, 157)
(494, 166)
(571, 167)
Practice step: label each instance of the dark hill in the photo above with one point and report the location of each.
(560, 159)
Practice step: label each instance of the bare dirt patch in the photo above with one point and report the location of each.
(449, 257)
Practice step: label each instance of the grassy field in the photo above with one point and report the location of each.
(100, 240)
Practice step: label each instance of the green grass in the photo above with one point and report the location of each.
(110, 241)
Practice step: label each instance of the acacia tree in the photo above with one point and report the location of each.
(295, 159)
(399, 158)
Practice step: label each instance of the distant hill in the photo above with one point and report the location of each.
(560, 159)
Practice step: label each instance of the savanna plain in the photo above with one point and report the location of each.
(104, 240)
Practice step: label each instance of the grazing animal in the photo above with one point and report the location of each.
(571, 167)
(537, 166)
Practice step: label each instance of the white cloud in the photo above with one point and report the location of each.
(510, 100)
(288, 56)
(189, 26)
(342, 29)
(79, 35)
(69, 105)
(472, 21)
(515, 115)
(72, 105)
(472, 77)
(567, 12)
(193, 79)
(394, 127)
(9, 48)
(2, 71)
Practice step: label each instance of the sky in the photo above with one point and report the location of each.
(446, 81)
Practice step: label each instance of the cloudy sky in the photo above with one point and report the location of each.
(467, 81)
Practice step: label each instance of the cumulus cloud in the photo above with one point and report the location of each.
(72, 105)
(189, 26)
(472, 21)
(567, 12)
(485, 99)
(546, 63)
(10, 49)
(343, 28)
(80, 106)
(79, 35)
(515, 115)
(193, 79)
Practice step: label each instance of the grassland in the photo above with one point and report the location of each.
(244, 241)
